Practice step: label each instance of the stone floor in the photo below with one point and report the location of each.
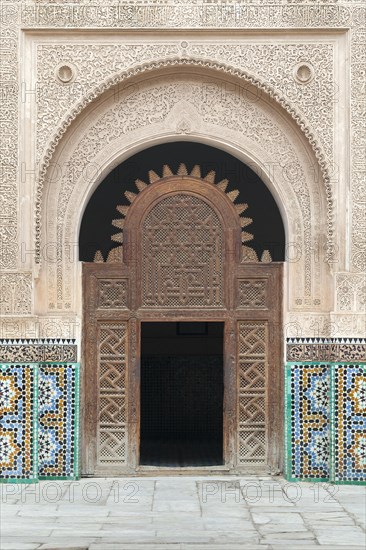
(181, 513)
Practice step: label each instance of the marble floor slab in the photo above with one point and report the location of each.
(181, 513)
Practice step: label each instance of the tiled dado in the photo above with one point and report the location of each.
(326, 422)
(326, 349)
(18, 423)
(38, 350)
(39, 422)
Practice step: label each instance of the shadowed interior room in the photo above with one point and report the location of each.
(181, 394)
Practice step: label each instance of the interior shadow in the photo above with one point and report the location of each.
(181, 394)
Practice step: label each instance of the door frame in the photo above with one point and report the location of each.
(231, 289)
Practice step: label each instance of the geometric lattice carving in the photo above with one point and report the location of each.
(182, 273)
(112, 393)
(252, 293)
(182, 254)
(252, 360)
(112, 293)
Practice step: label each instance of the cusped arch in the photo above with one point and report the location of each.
(216, 68)
(231, 212)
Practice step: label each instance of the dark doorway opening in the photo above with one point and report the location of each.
(181, 394)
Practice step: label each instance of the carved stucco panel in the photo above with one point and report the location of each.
(358, 144)
(93, 64)
(313, 325)
(274, 63)
(15, 293)
(192, 14)
(40, 327)
(9, 88)
(351, 292)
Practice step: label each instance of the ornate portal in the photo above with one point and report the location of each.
(183, 259)
(278, 86)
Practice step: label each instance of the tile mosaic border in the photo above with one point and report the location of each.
(63, 392)
(29, 443)
(315, 416)
(348, 423)
(25, 341)
(71, 404)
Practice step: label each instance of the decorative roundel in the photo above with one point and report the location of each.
(303, 73)
(65, 73)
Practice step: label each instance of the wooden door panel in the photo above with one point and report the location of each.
(111, 398)
(252, 363)
(112, 293)
(259, 288)
(105, 369)
(181, 262)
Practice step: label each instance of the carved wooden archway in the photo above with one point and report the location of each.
(182, 259)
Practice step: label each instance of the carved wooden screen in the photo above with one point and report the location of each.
(111, 395)
(182, 259)
(259, 429)
(182, 263)
(252, 406)
(105, 370)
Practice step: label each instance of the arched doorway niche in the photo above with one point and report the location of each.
(185, 262)
(186, 105)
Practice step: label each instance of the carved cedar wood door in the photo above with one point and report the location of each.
(183, 256)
